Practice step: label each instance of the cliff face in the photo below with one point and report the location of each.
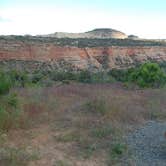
(49, 55)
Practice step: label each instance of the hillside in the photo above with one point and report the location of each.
(55, 112)
(102, 33)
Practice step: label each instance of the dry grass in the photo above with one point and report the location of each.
(83, 124)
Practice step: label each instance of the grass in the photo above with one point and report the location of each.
(87, 150)
(61, 163)
(10, 113)
(68, 137)
(3, 138)
(102, 132)
(118, 154)
(16, 156)
(118, 149)
(85, 122)
(97, 106)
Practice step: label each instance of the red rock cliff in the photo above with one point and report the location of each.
(81, 58)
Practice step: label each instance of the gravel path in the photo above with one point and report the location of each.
(148, 144)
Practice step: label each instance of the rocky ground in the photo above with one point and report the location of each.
(148, 144)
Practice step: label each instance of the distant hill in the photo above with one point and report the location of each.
(101, 33)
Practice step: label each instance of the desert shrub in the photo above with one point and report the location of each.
(12, 100)
(66, 82)
(36, 77)
(101, 77)
(10, 112)
(118, 74)
(84, 76)
(5, 84)
(57, 76)
(18, 78)
(9, 118)
(163, 65)
(118, 149)
(148, 75)
(70, 76)
(46, 82)
(98, 105)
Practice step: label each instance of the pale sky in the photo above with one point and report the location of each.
(145, 18)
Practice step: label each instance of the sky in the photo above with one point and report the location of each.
(144, 18)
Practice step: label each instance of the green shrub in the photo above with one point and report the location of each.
(118, 74)
(18, 78)
(118, 149)
(5, 84)
(85, 77)
(148, 75)
(57, 76)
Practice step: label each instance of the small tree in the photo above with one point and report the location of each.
(148, 75)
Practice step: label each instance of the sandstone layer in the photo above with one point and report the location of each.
(32, 55)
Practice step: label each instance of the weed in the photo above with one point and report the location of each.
(118, 149)
(12, 100)
(16, 156)
(87, 150)
(68, 137)
(3, 138)
(102, 132)
(9, 119)
(4, 119)
(61, 163)
(98, 105)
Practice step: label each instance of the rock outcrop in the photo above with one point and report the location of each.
(48, 55)
(133, 37)
(103, 33)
